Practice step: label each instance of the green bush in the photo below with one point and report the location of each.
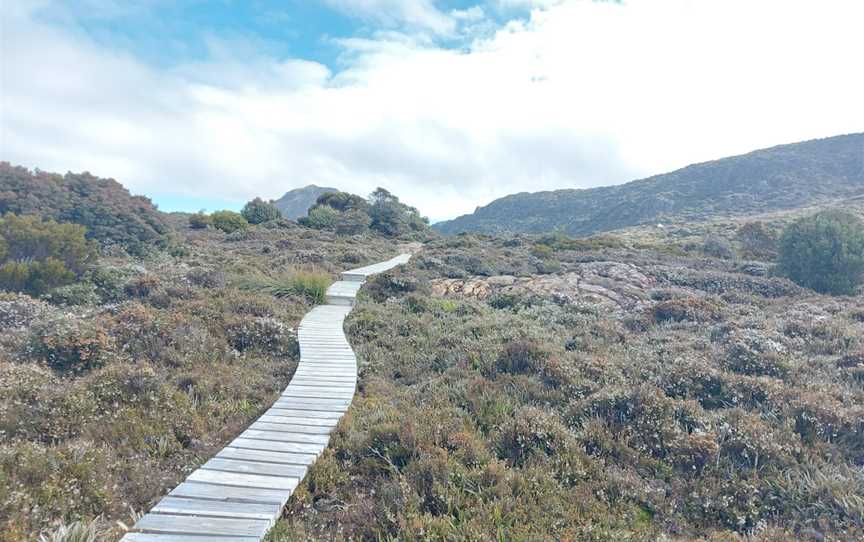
(321, 218)
(824, 252)
(259, 211)
(393, 218)
(342, 201)
(81, 293)
(36, 255)
(200, 221)
(228, 221)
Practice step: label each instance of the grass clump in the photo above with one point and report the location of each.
(78, 531)
(310, 285)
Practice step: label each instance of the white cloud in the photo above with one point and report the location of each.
(474, 13)
(417, 14)
(581, 94)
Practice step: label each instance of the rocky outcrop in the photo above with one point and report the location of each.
(617, 285)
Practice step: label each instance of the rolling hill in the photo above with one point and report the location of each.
(295, 203)
(777, 178)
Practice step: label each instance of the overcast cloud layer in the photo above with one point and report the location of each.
(580, 94)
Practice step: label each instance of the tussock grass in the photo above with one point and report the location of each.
(78, 531)
(309, 284)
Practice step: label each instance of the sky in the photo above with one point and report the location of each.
(205, 104)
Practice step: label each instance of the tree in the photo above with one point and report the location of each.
(259, 211)
(321, 217)
(342, 201)
(824, 252)
(228, 221)
(392, 217)
(36, 255)
(200, 221)
(344, 213)
(111, 215)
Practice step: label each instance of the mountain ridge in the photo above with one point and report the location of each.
(295, 203)
(776, 178)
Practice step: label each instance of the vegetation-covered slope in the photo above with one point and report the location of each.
(617, 388)
(783, 177)
(132, 371)
(295, 203)
(111, 215)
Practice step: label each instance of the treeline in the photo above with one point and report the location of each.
(112, 216)
(346, 214)
(382, 213)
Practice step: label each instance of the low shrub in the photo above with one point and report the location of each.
(391, 284)
(521, 356)
(692, 309)
(200, 221)
(37, 256)
(265, 335)
(259, 211)
(754, 358)
(228, 221)
(717, 247)
(824, 252)
(70, 345)
(82, 293)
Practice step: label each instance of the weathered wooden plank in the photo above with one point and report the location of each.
(312, 373)
(347, 364)
(155, 537)
(324, 382)
(291, 428)
(299, 405)
(320, 388)
(214, 492)
(308, 372)
(252, 467)
(301, 394)
(200, 507)
(281, 458)
(273, 446)
(243, 480)
(168, 524)
(308, 414)
(323, 423)
(311, 369)
(281, 436)
(316, 404)
(330, 358)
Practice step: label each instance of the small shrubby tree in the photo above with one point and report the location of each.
(824, 252)
(36, 255)
(392, 217)
(348, 214)
(228, 221)
(259, 211)
(321, 217)
(112, 216)
(200, 221)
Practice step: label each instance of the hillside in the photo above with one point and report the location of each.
(608, 388)
(112, 216)
(648, 384)
(295, 203)
(782, 177)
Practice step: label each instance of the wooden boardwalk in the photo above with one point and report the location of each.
(238, 495)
